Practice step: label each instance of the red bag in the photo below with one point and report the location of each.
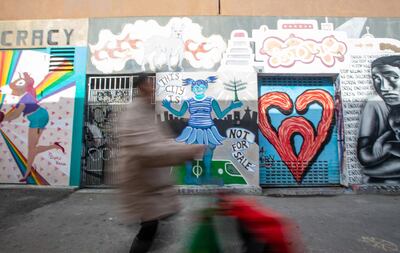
(264, 225)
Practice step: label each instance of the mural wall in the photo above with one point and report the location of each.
(370, 90)
(41, 104)
(269, 44)
(218, 110)
(298, 136)
(379, 134)
(151, 46)
(344, 50)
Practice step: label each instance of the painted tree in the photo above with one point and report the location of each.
(235, 86)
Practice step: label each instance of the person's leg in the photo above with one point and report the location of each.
(189, 179)
(33, 139)
(145, 237)
(41, 149)
(207, 159)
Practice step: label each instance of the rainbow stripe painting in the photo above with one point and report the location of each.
(35, 177)
(8, 63)
(36, 141)
(53, 83)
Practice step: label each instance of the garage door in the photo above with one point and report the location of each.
(297, 131)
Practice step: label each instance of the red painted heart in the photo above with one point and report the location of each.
(282, 140)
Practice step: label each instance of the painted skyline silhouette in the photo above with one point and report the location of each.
(235, 119)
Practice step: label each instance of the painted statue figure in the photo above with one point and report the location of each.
(201, 128)
(379, 137)
(37, 116)
(159, 50)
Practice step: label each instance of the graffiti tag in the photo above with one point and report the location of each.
(267, 161)
(380, 244)
(97, 154)
(112, 96)
(285, 53)
(57, 159)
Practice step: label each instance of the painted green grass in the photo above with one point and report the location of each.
(222, 169)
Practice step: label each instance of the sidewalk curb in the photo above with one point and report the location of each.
(384, 189)
(191, 190)
(38, 187)
(97, 191)
(210, 189)
(307, 192)
(237, 189)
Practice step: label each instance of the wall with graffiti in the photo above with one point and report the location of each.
(379, 134)
(351, 130)
(37, 115)
(298, 128)
(269, 44)
(41, 104)
(218, 110)
(298, 137)
(370, 91)
(327, 135)
(148, 45)
(319, 81)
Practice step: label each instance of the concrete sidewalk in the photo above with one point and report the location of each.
(88, 221)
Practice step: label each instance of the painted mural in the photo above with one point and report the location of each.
(157, 48)
(218, 110)
(299, 47)
(38, 91)
(296, 123)
(298, 134)
(341, 49)
(368, 93)
(379, 134)
(288, 51)
(28, 34)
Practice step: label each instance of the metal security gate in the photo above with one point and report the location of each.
(288, 130)
(107, 97)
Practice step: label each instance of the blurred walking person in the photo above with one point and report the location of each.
(145, 157)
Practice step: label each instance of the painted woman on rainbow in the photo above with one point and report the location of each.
(37, 116)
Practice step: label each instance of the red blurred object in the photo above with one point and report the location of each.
(267, 226)
(1, 116)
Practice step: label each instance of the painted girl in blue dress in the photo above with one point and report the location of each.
(37, 116)
(201, 128)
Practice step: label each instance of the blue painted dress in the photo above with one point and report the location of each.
(201, 128)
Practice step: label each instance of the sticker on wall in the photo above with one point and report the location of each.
(218, 110)
(155, 47)
(36, 114)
